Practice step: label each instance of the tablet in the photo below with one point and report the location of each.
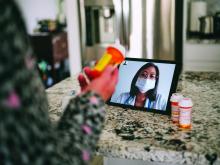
(146, 85)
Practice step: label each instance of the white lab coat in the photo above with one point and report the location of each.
(159, 103)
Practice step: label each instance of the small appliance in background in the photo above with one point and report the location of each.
(210, 26)
(207, 27)
(198, 9)
(217, 25)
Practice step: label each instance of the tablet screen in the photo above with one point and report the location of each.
(145, 84)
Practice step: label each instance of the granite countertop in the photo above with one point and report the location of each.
(153, 137)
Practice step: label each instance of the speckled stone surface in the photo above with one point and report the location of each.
(153, 137)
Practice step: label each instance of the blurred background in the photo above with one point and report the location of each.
(70, 34)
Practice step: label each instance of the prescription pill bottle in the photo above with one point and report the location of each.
(114, 55)
(185, 116)
(174, 100)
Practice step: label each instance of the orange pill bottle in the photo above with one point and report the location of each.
(175, 99)
(185, 113)
(114, 55)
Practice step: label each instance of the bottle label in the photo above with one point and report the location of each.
(103, 62)
(175, 113)
(185, 115)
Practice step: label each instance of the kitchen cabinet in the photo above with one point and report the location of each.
(52, 52)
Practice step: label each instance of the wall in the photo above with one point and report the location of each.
(34, 10)
(73, 37)
(201, 57)
(197, 54)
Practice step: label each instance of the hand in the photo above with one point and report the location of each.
(84, 80)
(104, 85)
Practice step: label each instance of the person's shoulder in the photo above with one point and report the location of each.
(125, 94)
(160, 97)
(122, 97)
(161, 102)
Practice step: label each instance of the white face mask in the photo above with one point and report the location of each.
(145, 85)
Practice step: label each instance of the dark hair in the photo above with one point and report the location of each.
(152, 92)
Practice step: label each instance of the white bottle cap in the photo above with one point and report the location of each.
(119, 47)
(176, 97)
(186, 102)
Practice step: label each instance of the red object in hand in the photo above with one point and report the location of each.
(84, 80)
(109, 76)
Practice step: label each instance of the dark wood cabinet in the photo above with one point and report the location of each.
(50, 47)
(53, 50)
(60, 47)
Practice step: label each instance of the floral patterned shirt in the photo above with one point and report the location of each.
(26, 134)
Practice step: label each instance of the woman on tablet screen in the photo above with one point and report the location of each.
(143, 91)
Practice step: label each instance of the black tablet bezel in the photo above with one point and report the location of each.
(174, 83)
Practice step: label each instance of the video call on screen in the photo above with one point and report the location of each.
(154, 78)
